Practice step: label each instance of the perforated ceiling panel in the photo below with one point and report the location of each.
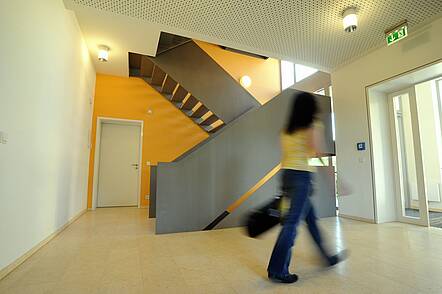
(308, 31)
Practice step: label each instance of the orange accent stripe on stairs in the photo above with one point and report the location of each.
(252, 190)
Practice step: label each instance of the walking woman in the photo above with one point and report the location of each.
(299, 143)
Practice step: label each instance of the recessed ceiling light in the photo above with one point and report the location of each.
(350, 20)
(103, 53)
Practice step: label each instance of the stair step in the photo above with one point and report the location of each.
(169, 85)
(217, 128)
(158, 76)
(146, 67)
(179, 94)
(200, 112)
(190, 103)
(210, 120)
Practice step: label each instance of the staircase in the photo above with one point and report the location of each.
(212, 180)
(143, 67)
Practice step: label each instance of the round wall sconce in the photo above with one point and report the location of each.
(103, 53)
(350, 20)
(245, 81)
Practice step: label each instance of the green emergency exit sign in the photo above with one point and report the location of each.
(397, 35)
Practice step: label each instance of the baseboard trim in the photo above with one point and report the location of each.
(429, 208)
(361, 219)
(9, 268)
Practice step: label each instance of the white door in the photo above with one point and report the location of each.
(411, 194)
(118, 166)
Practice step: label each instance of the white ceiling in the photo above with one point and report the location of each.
(307, 32)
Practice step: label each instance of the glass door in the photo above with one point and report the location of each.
(409, 180)
(429, 118)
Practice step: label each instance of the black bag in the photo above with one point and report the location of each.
(264, 218)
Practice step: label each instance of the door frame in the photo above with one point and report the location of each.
(119, 121)
(423, 219)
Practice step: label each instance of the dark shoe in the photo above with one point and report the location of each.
(335, 259)
(288, 279)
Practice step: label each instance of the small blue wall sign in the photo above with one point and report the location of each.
(360, 146)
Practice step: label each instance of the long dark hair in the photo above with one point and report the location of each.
(303, 113)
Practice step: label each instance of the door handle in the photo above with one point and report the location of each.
(135, 165)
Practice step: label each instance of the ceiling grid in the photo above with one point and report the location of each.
(303, 31)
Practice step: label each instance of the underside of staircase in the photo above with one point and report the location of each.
(145, 68)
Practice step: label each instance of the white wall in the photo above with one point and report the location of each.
(349, 93)
(46, 83)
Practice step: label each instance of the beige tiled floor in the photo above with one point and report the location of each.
(115, 251)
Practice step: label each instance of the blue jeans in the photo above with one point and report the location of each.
(298, 186)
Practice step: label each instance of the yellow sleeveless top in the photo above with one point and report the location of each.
(297, 150)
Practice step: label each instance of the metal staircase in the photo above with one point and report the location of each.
(143, 67)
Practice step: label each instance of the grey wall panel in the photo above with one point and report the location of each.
(324, 196)
(199, 74)
(263, 195)
(194, 190)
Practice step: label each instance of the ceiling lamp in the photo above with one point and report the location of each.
(103, 53)
(350, 20)
(245, 81)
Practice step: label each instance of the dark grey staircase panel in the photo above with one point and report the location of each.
(169, 41)
(195, 189)
(158, 76)
(199, 74)
(146, 66)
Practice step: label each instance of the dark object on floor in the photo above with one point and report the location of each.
(335, 259)
(288, 279)
(264, 218)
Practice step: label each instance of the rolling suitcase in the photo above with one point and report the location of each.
(264, 218)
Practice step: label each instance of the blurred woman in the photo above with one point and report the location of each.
(299, 142)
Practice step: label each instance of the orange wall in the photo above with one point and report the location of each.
(167, 132)
(265, 73)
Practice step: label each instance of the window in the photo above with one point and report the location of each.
(437, 105)
(302, 72)
(322, 161)
(330, 93)
(291, 73)
(287, 74)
